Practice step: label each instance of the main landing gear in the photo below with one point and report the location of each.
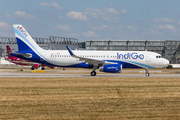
(42, 68)
(147, 73)
(32, 68)
(93, 73)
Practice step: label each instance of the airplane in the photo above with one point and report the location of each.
(22, 62)
(105, 61)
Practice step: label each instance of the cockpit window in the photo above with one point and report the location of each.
(159, 57)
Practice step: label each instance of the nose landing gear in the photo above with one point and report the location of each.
(147, 73)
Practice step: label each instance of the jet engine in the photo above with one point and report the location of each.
(111, 68)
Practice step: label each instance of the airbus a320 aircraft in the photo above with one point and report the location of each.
(22, 62)
(105, 61)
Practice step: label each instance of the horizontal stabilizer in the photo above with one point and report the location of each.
(26, 55)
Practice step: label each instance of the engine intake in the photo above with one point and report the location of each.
(111, 68)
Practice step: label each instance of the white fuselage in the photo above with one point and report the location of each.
(143, 59)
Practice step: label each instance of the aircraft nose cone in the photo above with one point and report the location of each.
(166, 62)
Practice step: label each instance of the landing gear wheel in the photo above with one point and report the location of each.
(32, 68)
(147, 74)
(42, 68)
(93, 73)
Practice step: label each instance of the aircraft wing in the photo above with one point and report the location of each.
(89, 60)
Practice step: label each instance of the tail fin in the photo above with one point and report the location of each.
(8, 50)
(24, 40)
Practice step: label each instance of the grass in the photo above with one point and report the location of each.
(89, 98)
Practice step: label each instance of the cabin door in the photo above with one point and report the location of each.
(148, 57)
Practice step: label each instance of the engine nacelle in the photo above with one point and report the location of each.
(36, 66)
(111, 68)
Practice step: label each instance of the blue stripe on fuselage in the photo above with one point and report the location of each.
(36, 58)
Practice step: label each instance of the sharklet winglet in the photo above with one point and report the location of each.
(70, 52)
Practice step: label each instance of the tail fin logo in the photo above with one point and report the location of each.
(24, 32)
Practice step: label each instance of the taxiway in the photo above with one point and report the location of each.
(19, 74)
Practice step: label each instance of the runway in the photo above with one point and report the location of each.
(22, 74)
